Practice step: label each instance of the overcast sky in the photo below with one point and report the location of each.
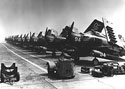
(23, 16)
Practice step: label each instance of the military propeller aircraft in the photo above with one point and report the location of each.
(54, 41)
(25, 39)
(92, 42)
(19, 40)
(40, 43)
(74, 40)
(33, 41)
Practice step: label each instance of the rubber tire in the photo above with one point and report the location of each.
(53, 54)
(95, 61)
(111, 73)
(76, 60)
(2, 78)
(38, 51)
(17, 77)
(50, 72)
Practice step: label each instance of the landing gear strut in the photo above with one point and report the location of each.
(54, 54)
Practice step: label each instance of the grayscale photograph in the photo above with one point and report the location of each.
(62, 44)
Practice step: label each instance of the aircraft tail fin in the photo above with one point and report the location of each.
(96, 25)
(40, 34)
(46, 31)
(72, 25)
(27, 35)
(33, 35)
(21, 36)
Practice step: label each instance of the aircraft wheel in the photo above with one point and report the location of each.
(2, 78)
(53, 54)
(110, 73)
(38, 51)
(17, 76)
(50, 69)
(76, 59)
(44, 52)
(95, 61)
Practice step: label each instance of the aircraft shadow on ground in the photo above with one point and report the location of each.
(49, 57)
(53, 77)
(84, 63)
(42, 53)
(87, 63)
(44, 74)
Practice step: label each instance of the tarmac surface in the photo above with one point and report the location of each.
(33, 72)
